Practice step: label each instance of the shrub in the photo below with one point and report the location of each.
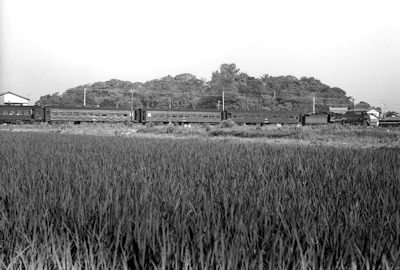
(150, 125)
(227, 124)
(170, 128)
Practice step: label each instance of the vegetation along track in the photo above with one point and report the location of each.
(110, 202)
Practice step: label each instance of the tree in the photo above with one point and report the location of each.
(362, 104)
(391, 113)
(225, 79)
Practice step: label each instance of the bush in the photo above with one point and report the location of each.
(227, 124)
(150, 125)
(207, 127)
(170, 128)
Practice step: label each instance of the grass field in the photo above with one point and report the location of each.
(82, 201)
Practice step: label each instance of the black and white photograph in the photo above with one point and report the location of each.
(199, 134)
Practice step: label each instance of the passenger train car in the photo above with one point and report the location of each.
(197, 116)
(85, 114)
(21, 114)
(52, 114)
(264, 117)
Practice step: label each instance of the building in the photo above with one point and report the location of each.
(9, 98)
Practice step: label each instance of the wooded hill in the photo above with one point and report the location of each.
(241, 90)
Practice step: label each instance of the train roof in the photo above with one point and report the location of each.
(19, 106)
(89, 108)
(265, 112)
(181, 110)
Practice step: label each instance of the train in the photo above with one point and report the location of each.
(53, 114)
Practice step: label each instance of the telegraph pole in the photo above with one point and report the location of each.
(84, 97)
(353, 111)
(132, 90)
(84, 94)
(313, 107)
(169, 112)
(223, 101)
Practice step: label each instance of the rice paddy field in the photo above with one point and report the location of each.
(73, 201)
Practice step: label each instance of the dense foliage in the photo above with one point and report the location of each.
(242, 91)
(69, 201)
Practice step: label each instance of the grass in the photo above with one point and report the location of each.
(73, 201)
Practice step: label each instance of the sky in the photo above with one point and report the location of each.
(49, 46)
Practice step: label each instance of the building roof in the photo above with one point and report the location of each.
(360, 109)
(338, 109)
(8, 92)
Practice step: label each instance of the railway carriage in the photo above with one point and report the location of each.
(85, 114)
(195, 116)
(21, 114)
(264, 117)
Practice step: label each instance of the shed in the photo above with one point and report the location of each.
(10, 98)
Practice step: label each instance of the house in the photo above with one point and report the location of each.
(10, 98)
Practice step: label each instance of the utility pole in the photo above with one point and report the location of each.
(84, 94)
(132, 90)
(223, 101)
(313, 107)
(353, 112)
(84, 97)
(169, 112)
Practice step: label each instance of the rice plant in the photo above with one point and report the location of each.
(87, 202)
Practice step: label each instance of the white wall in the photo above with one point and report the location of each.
(11, 98)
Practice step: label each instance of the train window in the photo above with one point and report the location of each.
(62, 113)
(118, 114)
(180, 115)
(125, 114)
(162, 115)
(111, 114)
(5, 113)
(69, 113)
(12, 112)
(76, 113)
(291, 116)
(174, 115)
(26, 112)
(55, 113)
(274, 116)
(19, 112)
(83, 114)
(90, 113)
(97, 114)
(204, 116)
(104, 114)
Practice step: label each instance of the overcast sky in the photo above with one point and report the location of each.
(49, 46)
